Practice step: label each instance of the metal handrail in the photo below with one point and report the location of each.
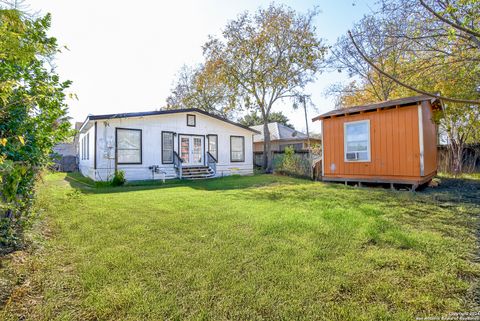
(212, 162)
(177, 163)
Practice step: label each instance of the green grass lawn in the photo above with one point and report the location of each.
(248, 248)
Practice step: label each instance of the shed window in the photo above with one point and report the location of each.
(129, 146)
(167, 147)
(237, 148)
(357, 141)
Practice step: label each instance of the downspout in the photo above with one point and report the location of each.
(95, 137)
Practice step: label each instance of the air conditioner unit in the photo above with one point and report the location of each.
(352, 156)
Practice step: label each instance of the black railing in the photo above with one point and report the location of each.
(177, 163)
(212, 162)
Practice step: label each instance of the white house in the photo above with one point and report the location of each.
(184, 143)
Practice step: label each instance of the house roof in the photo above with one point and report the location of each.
(162, 112)
(384, 104)
(278, 132)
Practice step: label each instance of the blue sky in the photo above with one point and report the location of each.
(123, 55)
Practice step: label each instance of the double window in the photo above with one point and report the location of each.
(129, 146)
(357, 141)
(237, 148)
(167, 147)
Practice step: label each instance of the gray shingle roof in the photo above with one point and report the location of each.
(278, 132)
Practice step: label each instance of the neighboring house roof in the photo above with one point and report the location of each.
(278, 132)
(384, 104)
(162, 112)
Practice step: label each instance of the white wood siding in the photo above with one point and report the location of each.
(152, 127)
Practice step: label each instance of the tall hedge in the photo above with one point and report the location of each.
(33, 115)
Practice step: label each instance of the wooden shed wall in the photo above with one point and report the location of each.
(394, 143)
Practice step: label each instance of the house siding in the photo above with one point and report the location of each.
(152, 127)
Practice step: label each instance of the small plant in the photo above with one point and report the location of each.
(118, 178)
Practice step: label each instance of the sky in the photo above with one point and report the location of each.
(123, 56)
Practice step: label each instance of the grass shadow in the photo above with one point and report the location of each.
(88, 186)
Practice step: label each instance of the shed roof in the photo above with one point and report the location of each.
(277, 132)
(401, 102)
(162, 112)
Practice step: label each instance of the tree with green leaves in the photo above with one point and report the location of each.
(254, 119)
(267, 57)
(199, 87)
(435, 58)
(435, 36)
(33, 114)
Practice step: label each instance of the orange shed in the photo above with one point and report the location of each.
(389, 142)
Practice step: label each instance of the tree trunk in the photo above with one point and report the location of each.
(267, 149)
(456, 149)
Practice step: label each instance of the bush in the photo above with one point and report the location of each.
(292, 164)
(33, 116)
(118, 179)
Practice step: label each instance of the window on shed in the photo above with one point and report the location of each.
(357, 141)
(129, 146)
(167, 147)
(237, 148)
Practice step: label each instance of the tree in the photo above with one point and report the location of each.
(429, 58)
(267, 57)
(254, 119)
(33, 114)
(462, 125)
(200, 87)
(435, 34)
(388, 52)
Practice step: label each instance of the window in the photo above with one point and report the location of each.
(167, 147)
(191, 120)
(237, 148)
(129, 146)
(84, 144)
(88, 147)
(212, 145)
(357, 141)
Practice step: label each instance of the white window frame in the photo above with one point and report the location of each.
(345, 124)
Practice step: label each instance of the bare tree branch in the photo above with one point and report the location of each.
(401, 83)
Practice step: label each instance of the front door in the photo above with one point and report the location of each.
(191, 150)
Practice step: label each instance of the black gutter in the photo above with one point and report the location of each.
(164, 112)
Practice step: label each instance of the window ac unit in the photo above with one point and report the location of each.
(352, 156)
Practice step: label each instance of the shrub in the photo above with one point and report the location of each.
(33, 116)
(292, 164)
(118, 178)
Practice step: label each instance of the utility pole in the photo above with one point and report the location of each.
(303, 99)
